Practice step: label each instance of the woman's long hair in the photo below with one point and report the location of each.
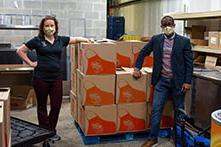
(41, 26)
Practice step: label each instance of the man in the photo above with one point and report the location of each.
(172, 72)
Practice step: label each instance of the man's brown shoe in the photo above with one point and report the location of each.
(149, 143)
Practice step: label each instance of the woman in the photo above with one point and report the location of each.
(47, 78)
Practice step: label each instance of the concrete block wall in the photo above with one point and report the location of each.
(76, 17)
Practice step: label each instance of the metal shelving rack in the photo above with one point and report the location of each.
(18, 27)
(196, 16)
(9, 22)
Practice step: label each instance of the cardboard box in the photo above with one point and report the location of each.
(167, 117)
(199, 42)
(132, 117)
(202, 42)
(2, 125)
(22, 97)
(74, 82)
(74, 106)
(129, 89)
(74, 56)
(128, 51)
(151, 94)
(214, 39)
(5, 113)
(197, 31)
(210, 62)
(188, 31)
(124, 53)
(96, 89)
(20, 90)
(219, 40)
(148, 72)
(136, 47)
(98, 120)
(97, 58)
(81, 115)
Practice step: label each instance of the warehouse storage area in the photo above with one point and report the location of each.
(121, 73)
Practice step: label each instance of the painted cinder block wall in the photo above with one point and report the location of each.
(76, 17)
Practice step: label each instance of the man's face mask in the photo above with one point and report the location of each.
(49, 31)
(168, 30)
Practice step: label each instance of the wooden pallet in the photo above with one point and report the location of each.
(120, 137)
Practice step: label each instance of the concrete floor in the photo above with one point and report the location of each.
(69, 134)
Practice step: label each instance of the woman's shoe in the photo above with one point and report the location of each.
(54, 138)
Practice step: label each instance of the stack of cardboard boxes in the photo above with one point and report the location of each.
(199, 36)
(73, 91)
(5, 130)
(105, 99)
(95, 93)
(208, 41)
(131, 101)
(95, 88)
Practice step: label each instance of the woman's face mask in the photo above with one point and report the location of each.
(49, 31)
(49, 27)
(168, 30)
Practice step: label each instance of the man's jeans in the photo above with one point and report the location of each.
(165, 87)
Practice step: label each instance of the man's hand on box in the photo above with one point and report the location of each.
(137, 74)
(186, 87)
